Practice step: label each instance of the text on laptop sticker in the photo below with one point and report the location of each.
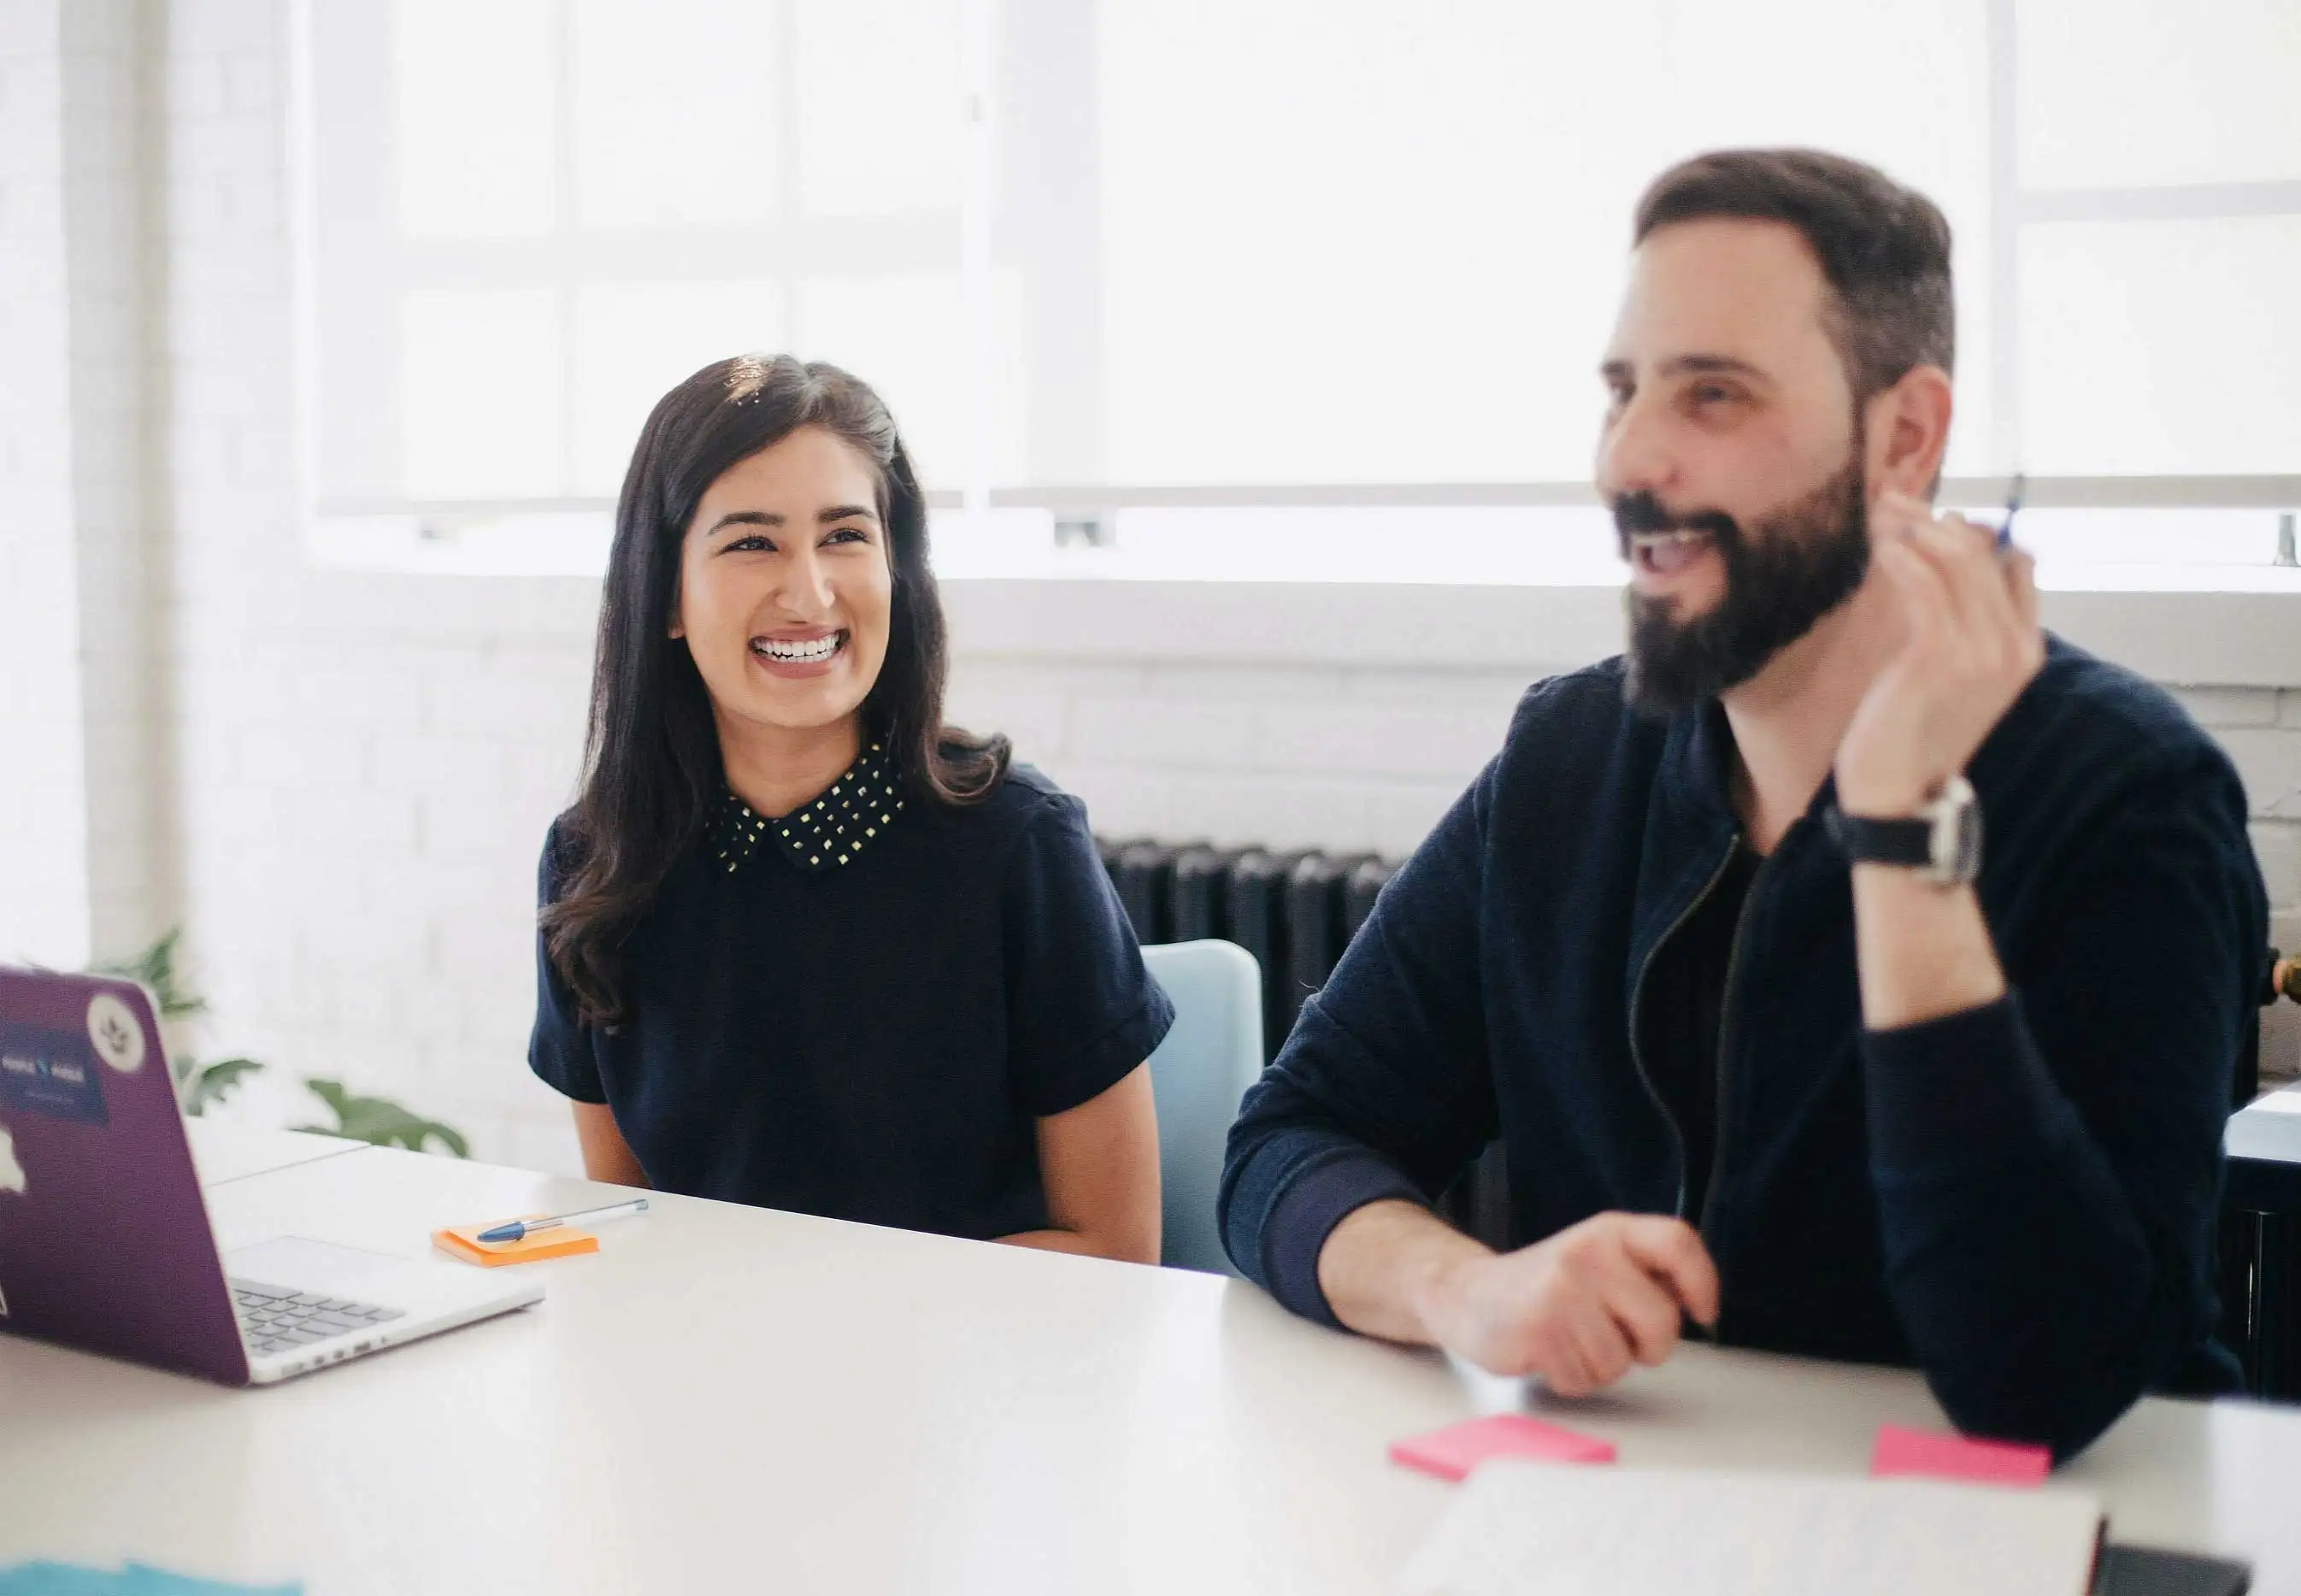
(50, 1073)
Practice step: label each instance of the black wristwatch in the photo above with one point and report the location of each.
(1943, 842)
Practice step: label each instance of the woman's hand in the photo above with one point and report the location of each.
(1099, 1163)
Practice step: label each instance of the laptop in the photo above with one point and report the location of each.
(105, 1240)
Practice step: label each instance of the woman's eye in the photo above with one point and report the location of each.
(847, 534)
(754, 544)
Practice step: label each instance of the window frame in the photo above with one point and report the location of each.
(1065, 379)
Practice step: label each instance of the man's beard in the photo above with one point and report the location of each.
(1802, 563)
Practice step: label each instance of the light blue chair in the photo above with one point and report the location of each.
(1198, 1074)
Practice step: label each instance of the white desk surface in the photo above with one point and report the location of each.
(733, 1397)
(228, 1152)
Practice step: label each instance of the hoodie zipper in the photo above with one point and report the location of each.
(1725, 1047)
(1637, 1014)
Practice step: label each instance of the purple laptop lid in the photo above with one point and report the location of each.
(105, 1243)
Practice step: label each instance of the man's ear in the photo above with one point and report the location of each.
(1909, 432)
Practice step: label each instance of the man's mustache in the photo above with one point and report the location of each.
(1641, 511)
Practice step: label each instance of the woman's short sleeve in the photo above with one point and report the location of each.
(1082, 1011)
(559, 1048)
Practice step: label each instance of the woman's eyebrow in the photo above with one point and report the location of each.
(846, 513)
(768, 518)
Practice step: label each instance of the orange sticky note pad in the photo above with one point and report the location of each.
(1452, 1452)
(462, 1241)
(1901, 1451)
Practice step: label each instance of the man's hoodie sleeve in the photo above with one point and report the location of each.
(1383, 1090)
(2048, 1166)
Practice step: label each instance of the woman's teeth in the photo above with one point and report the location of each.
(812, 650)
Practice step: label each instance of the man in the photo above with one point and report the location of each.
(1773, 1041)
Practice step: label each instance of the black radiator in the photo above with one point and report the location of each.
(1295, 911)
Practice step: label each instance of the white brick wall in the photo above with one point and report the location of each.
(43, 903)
(364, 765)
(110, 134)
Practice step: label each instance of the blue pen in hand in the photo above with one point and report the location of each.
(519, 1229)
(2013, 504)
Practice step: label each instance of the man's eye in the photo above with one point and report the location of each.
(1709, 393)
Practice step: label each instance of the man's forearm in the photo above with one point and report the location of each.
(1382, 1264)
(1923, 951)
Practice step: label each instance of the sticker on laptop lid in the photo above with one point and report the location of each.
(11, 1169)
(114, 1028)
(53, 1073)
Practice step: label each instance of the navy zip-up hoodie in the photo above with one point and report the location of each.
(2018, 1200)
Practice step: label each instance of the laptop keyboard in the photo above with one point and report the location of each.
(275, 1319)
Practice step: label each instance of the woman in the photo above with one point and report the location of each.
(802, 944)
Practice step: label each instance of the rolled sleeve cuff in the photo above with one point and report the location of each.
(558, 1067)
(1305, 1215)
(1107, 1060)
(1968, 1091)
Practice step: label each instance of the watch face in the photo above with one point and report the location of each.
(1969, 842)
(1957, 837)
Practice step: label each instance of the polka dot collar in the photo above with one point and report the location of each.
(821, 835)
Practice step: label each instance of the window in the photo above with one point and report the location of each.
(530, 218)
(1154, 254)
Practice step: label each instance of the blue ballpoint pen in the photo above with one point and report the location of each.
(2013, 504)
(519, 1228)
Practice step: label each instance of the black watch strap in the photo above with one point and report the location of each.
(1909, 842)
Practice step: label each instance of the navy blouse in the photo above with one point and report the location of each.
(860, 1009)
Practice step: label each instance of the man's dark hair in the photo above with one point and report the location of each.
(1884, 249)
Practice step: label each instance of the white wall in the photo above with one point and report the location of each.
(363, 765)
(44, 910)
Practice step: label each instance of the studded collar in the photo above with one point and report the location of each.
(848, 817)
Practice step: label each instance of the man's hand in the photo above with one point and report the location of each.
(1579, 1308)
(1971, 611)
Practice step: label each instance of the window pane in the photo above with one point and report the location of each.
(904, 336)
(2139, 93)
(675, 117)
(2064, 537)
(1364, 202)
(2167, 347)
(635, 341)
(480, 393)
(879, 105)
(474, 117)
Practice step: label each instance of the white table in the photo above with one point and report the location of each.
(732, 1397)
(228, 1152)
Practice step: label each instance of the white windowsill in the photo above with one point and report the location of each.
(2229, 625)
(2250, 639)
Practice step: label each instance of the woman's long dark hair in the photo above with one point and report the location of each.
(651, 759)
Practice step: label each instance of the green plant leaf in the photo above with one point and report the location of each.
(155, 968)
(211, 1084)
(381, 1122)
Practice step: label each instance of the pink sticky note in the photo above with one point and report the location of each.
(1901, 1451)
(1458, 1449)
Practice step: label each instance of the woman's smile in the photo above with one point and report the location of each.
(799, 654)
